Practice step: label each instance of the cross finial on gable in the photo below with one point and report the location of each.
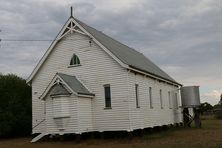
(71, 11)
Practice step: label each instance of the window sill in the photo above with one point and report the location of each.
(107, 108)
(59, 117)
(74, 65)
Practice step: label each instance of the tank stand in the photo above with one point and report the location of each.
(188, 119)
(197, 120)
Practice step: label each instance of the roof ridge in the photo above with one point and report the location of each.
(126, 54)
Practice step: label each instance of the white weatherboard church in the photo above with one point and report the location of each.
(87, 81)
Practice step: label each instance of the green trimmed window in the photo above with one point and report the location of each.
(75, 60)
(137, 95)
(107, 96)
(150, 97)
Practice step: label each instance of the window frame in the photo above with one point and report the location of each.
(75, 61)
(170, 100)
(137, 95)
(107, 105)
(176, 101)
(161, 98)
(44, 106)
(151, 97)
(64, 109)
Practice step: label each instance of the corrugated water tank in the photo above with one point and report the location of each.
(190, 96)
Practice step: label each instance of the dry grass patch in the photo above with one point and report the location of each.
(210, 135)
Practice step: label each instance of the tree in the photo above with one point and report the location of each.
(15, 106)
(205, 107)
(220, 102)
(219, 105)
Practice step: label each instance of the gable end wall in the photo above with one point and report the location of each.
(97, 68)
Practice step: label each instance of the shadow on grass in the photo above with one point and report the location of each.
(207, 124)
(174, 131)
(164, 133)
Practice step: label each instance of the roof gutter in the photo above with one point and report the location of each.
(152, 75)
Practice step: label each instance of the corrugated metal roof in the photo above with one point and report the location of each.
(126, 54)
(75, 84)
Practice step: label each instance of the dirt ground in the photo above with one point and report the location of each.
(210, 135)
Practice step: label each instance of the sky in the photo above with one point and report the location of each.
(183, 37)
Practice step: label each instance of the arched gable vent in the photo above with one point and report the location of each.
(75, 60)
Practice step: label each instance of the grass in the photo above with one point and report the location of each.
(210, 135)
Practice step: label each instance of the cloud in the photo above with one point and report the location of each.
(184, 38)
(212, 96)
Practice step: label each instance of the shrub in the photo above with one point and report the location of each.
(15, 106)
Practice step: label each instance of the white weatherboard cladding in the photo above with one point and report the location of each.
(145, 116)
(85, 114)
(97, 68)
(75, 117)
(55, 122)
(61, 107)
(38, 112)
